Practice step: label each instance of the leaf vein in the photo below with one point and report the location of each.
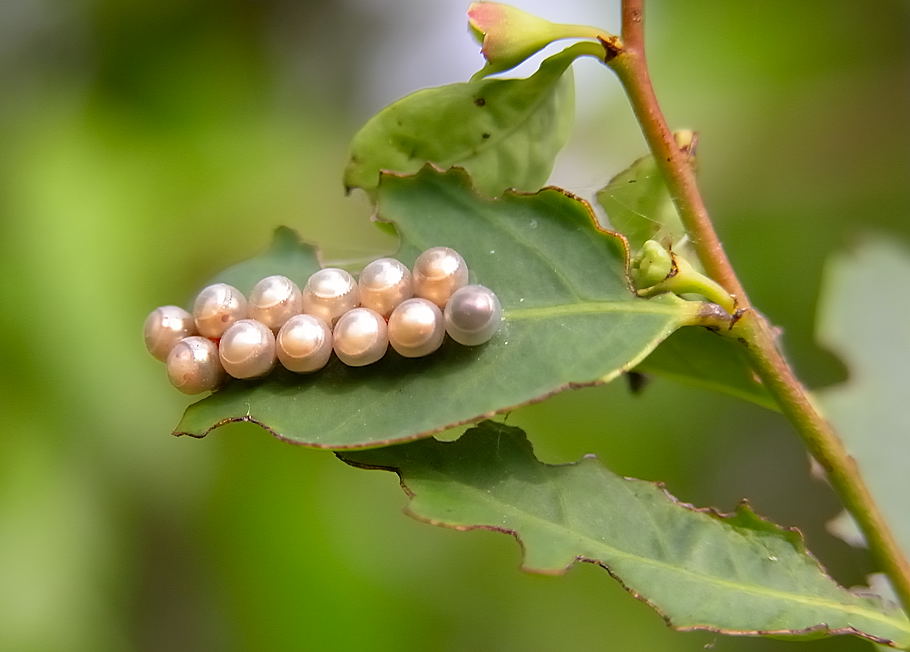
(720, 582)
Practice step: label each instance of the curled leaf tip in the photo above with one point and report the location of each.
(509, 35)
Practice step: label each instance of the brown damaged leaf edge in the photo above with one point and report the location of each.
(793, 534)
(466, 178)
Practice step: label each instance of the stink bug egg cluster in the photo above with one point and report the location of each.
(280, 322)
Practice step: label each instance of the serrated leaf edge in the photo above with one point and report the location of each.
(792, 534)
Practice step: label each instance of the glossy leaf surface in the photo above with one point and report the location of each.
(505, 132)
(736, 574)
(569, 319)
(863, 316)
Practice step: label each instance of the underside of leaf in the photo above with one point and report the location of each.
(863, 318)
(699, 357)
(734, 574)
(638, 205)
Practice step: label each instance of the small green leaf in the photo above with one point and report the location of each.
(505, 132)
(698, 357)
(864, 314)
(638, 205)
(569, 319)
(734, 574)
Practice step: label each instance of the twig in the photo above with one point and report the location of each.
(752, 328)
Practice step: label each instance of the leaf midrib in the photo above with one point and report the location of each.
(748, 588)
(597, 307)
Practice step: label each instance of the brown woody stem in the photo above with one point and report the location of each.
(752, 329)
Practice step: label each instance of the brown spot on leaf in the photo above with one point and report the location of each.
(479, 101)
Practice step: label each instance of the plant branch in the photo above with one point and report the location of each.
(826, 447)
(752, 329)
(632, 69)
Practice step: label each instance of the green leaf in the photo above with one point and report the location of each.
(698, 357)
(734, 574)
(638, 205)
(863, 315)
(569, 319)
(505, 132)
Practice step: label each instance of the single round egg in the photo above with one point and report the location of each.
(360, 337)
(274, 300)
(164, 327)
(247, 349)
(473, 315)
(304, 344)
(384, 284)
(217, 307)
(416, 328)
(329, 293)
(438, 273)
(193, 365)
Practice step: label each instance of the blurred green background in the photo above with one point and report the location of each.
(147, 144)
